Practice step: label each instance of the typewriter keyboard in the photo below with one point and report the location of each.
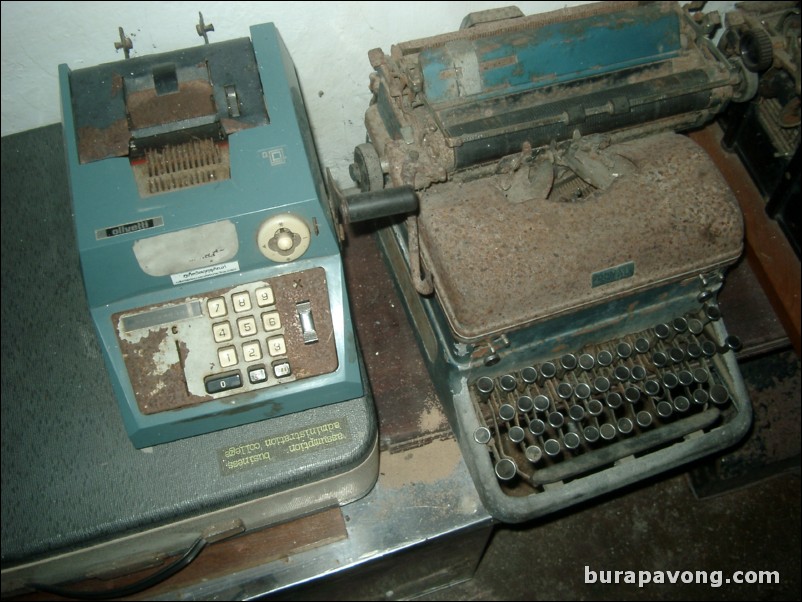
(580, 412)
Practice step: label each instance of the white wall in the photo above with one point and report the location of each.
(329, 42)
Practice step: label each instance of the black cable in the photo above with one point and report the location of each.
(134, 588)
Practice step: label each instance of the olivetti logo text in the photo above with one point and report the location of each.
(143, 224)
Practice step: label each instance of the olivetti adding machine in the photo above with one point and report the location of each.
(561, 245)
(215, 284)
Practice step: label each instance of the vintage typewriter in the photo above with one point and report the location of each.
(561, 245)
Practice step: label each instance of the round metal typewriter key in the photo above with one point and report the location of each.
(659, 359)
(685, 378)
(625, 425)
(642, 345)
(607, 431)
(587, 361)
(548, 370)
(623, 350)
(556, 419)
(709, 348)
(508, 382)
(568, 361)
(637, 373)
(485, 385)
(601, 384)
(516, 434)
(571, 440)
(621, 373)
(681, 403)
(670, 380)
(694, 351)
(712, 312)
(506, 469)
(700, 397)
(576, 413)
(644, 419)
(604, 358)
(595, 407)
(525, 403)
(482, 435)
(695, 326)
(701, 375)
(613, 400)
(632, 394)
(533, 453)
(552, 447)
(506, 412)
(731, 343)
(537, 427)
(591, 434)
(719, 394)
(582, 391)
(565, 390)
(662, 331)
(652, 388)
(541, 403)
(679, 325)
(676, 354)
(664, 409)
(529, 375)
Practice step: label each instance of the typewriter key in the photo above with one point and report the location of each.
(482, 435)
(681, 403)
(576, 413)
(685, 378)
(548, 370)
(642, 345)
(638, 372)
(552, 447)
(556, 419)
(701, 375)
(607, 431)
(516, 434)
(582, 391)
(625, 425)
(664, 409)
(601, 384)
(613, 400)
(680, 325)
(624, 350)
(695, 326)
(652, 388)
(595, 407)
(533, 453)
(644, 419)
(709, 348)
(662, 331)
(694, 351)
(700, 397)
(506, 412)
(591, 434)
(541, 403)
(537, 427)
(719, 394)
(587, 361)
(621, 373)
(568, 361)
(676, 355)
(508, 382)
(659, 359)
(525, 403)
(571, 440)
(565, 390)
(529, 375)
(506, 469)
(632, 394)
(604, 358)
(485, 385)
(670, 380)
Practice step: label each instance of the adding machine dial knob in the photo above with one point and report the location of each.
(283, 237)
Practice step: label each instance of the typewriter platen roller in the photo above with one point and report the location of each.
(562, 262)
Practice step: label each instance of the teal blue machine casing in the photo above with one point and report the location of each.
(221, 206)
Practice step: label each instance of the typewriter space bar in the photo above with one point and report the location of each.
(607, 455)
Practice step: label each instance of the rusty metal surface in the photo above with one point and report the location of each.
(410, 413)
(501, 265)
(167, 362)
(147, 108)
